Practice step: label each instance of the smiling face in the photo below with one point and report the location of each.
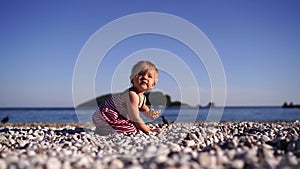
(145, 80)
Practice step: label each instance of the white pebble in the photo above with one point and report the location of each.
(53, 163)
(117, 164)
(237, 164)
(3, 164)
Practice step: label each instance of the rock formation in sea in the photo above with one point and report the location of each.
(155, 99)
(290, 105)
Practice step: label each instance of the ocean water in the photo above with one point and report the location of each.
(64, 115)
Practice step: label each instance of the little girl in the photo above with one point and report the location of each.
(121, 111)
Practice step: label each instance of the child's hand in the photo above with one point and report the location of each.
(155, 130)
(154, 114)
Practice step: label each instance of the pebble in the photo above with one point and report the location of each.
(237, 164)
(180, 145)
(117, 164)
(3, 164)
(53, 163)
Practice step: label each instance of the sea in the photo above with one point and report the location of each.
(72, 115)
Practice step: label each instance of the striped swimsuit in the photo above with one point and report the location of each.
(112, 114)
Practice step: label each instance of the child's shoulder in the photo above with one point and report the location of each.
(133, 95)
(129, 94)
(130, 91)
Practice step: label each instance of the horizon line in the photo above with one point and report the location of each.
(198, 106)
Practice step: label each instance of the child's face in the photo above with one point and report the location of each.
(145, 80)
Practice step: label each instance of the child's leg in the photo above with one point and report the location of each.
(124, 126)
(109, 121)
(102, 127)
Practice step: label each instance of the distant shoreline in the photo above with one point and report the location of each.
(170, 107)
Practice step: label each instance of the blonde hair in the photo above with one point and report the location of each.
(141, 66)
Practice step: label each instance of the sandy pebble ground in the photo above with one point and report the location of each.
(180, 145)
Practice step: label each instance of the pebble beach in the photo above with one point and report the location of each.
(179, 145)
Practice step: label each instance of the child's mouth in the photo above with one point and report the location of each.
(144, 83)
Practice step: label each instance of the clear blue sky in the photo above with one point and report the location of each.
(257, 41)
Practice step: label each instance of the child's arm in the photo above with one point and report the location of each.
(133, 113)
(149, 113)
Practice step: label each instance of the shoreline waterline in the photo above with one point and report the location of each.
(173, 114)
